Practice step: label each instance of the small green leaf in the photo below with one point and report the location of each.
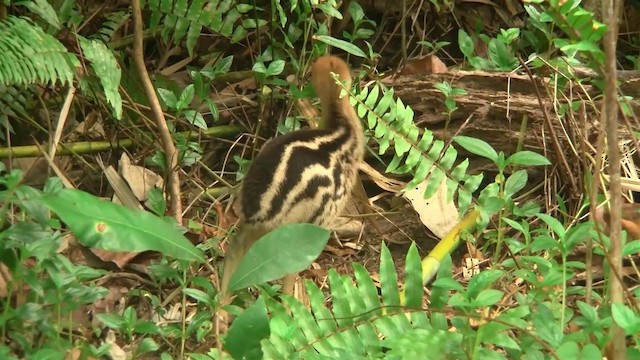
(516, 182)
(341, 44)
(477, 147)
(259, 68)
(147, 345)
(487, 297)
(198, 294)
(626, 318)
(168, 97)
(553, 223)
(482, 281)
(196, 119)
(113, 321)
(466, 43)
(286, 250)
(630, 248)
(388, 278)
(275, 68)
(528, 158)
(413, 278)
(186, 97)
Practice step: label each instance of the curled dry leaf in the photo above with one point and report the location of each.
(429, 64)
(141, 180)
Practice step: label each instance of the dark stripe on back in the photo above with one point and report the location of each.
(262, 170)
(315, 217)
(301, 158)
(313, 187)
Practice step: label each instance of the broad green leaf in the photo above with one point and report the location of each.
(247, 331)
(43, 9)
(631, 248)
(528, 158)
(259, 68)
(341, 44)
(568, 351)
(286, 250)
(477, 147)
(196, 119)
(109, 226)
(591, 352)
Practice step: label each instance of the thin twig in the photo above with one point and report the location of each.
(171, 154)
(610, 117)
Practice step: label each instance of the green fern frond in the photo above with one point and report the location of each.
(392, 123)
(106, 68)
(28, 55)
(187, 18)
(112, 24)
(12, 101)
(358, 324)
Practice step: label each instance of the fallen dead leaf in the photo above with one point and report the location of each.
(140, 179)
(436, 213)
(429, 64)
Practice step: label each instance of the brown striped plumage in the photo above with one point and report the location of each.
(305, 176)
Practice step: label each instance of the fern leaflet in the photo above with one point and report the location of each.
(392, 122)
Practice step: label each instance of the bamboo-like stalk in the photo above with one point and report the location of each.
(92, 147)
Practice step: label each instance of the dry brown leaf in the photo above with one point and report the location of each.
(91, 127)
(141, 180)
(5, 279)
(36, 169)
(120, 259)
(429, 64)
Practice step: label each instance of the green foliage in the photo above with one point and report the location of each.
(184, 18)
(501, 53)
(392, 123)
(352, 325)
(583, 32)
(449, 93)
(57, 287)
(28, 55)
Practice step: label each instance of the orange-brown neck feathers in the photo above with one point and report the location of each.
(325, 86)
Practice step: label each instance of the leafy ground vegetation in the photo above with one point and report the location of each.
(486, 224)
